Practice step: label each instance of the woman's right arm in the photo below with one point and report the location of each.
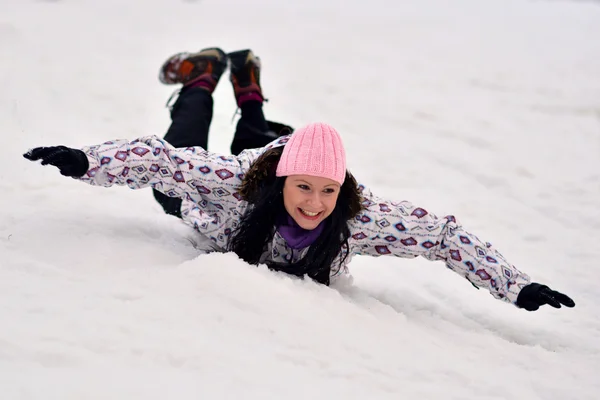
(191, 172)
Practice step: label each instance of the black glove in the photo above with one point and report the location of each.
(70, 162)
(535, 295)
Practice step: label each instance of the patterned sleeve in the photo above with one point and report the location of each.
(192, 173)
(404, 230)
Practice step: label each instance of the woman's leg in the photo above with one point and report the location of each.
(252, 130)
(191, 116)
(192, 113)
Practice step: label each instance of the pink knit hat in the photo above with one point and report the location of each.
(315, 150)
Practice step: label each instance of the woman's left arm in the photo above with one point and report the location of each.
(404, 230)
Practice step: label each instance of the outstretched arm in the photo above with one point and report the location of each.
(192, 172)
(405, 230)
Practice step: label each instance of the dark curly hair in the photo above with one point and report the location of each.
(263, 190)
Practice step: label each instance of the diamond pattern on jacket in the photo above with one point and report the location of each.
(383, 223)
(428, 244)
(140, 169)
(121, 155)
(455, 255)
(364, 219)
(140, 151)
(480, 251)
(224, 174)
(409, 241)
(165, 172)
(481, 273)
(384, 208)
(221, 192)
(178, 177)
(202, 189)
(383, 250)
(400, 226)
(419, 212)
(359, 236)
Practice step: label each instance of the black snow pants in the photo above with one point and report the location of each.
(191, 116)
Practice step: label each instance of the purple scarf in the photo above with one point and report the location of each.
(296, 236)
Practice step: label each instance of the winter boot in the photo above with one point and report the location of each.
(202, 69)
(245, 76)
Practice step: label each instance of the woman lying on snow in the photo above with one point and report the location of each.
(284, 201)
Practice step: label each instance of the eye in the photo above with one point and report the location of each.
(329, 191)
(303, 187)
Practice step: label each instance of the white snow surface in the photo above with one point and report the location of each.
(485, 109)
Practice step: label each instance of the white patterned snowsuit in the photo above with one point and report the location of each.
(208, 183)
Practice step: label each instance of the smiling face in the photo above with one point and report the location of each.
(309, 199)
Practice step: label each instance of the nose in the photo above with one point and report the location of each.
(314, 199)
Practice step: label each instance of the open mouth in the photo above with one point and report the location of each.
(310, 215)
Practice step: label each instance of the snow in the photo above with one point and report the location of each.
(488, 110)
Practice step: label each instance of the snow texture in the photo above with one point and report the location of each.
(485, 109)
